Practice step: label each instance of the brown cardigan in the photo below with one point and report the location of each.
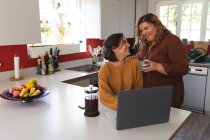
(172, 55)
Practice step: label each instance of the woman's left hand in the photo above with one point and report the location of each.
(153, 66)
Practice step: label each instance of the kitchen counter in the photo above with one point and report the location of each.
(200, 64)
(58, 117)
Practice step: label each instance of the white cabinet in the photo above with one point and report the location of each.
(117, 16)
(20, 22)
(105, 17)
(110, 17)
(141, 8)
(207, 99)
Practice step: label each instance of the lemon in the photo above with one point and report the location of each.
(33, 80)
(29, 85)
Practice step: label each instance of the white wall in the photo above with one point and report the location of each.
(127, 17)
(93, 24)
(152, 5)
(94, 15)
(20, 22)
(141, 8)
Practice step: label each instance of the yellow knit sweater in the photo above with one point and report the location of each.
(113, 79)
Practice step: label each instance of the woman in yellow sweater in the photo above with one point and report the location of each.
(120, 73)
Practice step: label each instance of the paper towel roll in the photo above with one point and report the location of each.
(17, 67)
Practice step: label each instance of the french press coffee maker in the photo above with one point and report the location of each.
(91, 101)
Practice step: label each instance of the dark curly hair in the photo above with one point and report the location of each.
(151, 19)
(112, 42)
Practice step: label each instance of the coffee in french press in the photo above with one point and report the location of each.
(91, 102)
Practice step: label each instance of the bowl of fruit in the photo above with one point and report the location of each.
(25, 92)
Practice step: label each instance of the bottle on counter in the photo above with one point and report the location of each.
(42, 66)
(46, 61)
(51, 65)
(39, 65)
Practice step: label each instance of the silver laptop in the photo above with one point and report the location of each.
(141, 107)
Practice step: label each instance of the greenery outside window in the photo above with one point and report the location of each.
(168, 16)
(191, 21)
(62, 21)
(187, 18)
(62, 25)
(208, 23)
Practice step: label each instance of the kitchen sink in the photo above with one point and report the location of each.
(90, 79)
(89, 68)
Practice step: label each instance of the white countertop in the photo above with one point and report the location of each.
(57, 116)
(200, 64)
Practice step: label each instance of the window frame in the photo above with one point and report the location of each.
(59, 17)
(34, 50)
(179, 3)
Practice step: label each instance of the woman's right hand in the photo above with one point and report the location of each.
(153, 66)
(144, 65)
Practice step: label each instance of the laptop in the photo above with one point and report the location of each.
(142, 107)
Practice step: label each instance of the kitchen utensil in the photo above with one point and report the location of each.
(55, 51)
(58, 52)
(90, 50)
(51, 53)
(98, 49)
(91, 101)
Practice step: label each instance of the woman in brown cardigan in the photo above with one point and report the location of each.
(166, 55)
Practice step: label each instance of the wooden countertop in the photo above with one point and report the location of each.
(58, 117)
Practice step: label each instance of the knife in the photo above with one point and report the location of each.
(58, 52)
(51, 51)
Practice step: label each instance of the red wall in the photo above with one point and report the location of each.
(7, 54)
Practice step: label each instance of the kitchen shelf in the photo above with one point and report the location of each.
(35, 51)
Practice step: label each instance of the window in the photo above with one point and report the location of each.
(191, 21)
(208, 23)
(168, 15)
(186, 18)
(62, 21)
